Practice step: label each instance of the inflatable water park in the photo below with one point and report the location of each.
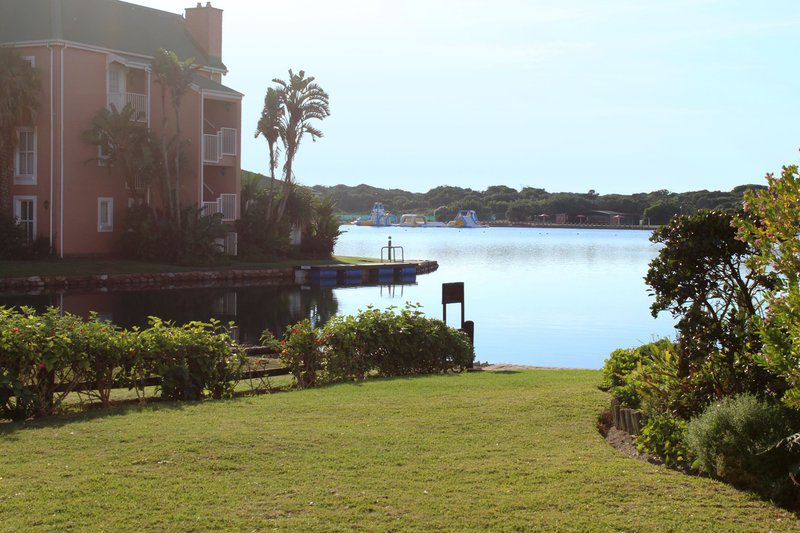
(380, 217)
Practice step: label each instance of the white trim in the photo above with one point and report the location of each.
(92, 48)
(61, 157)
(202, 150)
(108, 225)
(18, 212)
(219, 95)
(30, 177)
(51, 207)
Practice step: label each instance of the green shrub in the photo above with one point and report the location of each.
(664, 435)
(302, 353)
(195, 360)
(622, 370)
(14, 244)
(151, 236)
(383, 343)
(737, 440)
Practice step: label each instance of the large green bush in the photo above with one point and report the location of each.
(664, 435)
(43, 357)
(623, 368)
(736, 440)
(374, 342)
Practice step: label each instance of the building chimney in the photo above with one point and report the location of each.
(205, 26)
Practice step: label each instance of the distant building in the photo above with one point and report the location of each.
(612, 218)
(95, 53)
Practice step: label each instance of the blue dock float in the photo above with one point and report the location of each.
(365, 273)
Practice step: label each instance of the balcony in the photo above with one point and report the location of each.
(136, 100)
(218, 146)
(226, 205)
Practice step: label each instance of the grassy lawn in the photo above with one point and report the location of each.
(513, 450)
(90, 267)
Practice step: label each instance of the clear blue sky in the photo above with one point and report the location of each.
(569, 95)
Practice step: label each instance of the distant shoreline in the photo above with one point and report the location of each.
(568, 226)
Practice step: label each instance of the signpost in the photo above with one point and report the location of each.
(453, 293)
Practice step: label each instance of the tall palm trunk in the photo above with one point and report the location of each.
(271, 189)
(287, 183)
(166, 184)
(6, 176)
(178, 163)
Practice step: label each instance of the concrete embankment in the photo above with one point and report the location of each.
(200, 278)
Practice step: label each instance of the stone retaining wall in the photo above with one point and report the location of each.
(161, 279)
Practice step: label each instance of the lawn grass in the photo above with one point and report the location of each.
(91, 267)
(513, 450)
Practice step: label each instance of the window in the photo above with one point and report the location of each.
(25, 213)
(105, 214)
(31, 60)
(25, 160)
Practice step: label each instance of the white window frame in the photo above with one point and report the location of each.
(31, 60)
(25, 179)
(109, 226)
(18, 212)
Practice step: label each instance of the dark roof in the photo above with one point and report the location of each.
(111, 24)
(208, 84)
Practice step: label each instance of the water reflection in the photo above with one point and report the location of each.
(253, 308)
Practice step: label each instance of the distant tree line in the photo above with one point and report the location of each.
(499, 202)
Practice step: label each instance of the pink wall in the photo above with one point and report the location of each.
(85, 91)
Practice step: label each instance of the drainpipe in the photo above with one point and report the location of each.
(52, 139)
(61, 154)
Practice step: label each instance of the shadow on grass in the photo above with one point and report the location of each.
(8, 429)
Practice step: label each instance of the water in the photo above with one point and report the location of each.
(551, 297)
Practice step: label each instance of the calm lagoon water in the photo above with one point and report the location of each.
(553, 297)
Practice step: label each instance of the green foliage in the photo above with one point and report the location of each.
(20, 90)
(301, 352)
(700, 277)
(44, 356)
(14, 244)
(735, 440)
(195, 360)
(323, 230)
(151, 237)
(384, 343)
(773, 231)
(620, 376)
(664, 435)
(500, 202)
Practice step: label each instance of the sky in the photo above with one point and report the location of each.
(618, 96)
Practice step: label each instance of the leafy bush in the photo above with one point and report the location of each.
(619, 375)
(43, 357)
(152, 237)
(737, 440)
(383, 343)
(301, 352)
(14, 244)
(323, 232)
(194, 361)
(664, 435)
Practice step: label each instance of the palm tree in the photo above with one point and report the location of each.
(20, 86)
(125, 145)
(271, 126)
(174, 76)
(302, 101)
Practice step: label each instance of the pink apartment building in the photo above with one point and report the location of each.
(94, 53)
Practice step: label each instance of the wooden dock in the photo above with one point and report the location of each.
(364, 273)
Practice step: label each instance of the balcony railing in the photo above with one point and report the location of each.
(136, 100)
(226, 205)
(220, 144)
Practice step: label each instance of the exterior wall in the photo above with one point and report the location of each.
(85, 79)
(205, 26)
(42, 128)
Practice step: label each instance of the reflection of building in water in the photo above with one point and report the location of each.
(226, 304)
(295, 304)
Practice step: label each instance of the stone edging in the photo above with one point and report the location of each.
(109, 281)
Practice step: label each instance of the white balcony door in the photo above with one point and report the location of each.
(25, 213)
(116, 86)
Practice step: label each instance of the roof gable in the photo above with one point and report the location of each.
(110, 24)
